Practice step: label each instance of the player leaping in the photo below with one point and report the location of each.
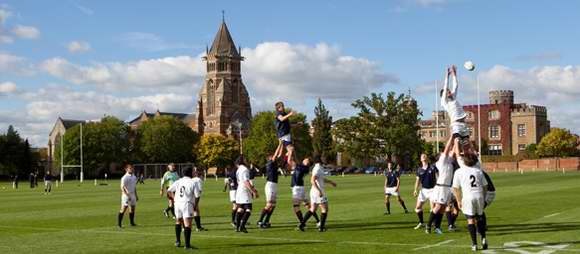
(283, 130)
(454, 109)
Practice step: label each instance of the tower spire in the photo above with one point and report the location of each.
(223, 16)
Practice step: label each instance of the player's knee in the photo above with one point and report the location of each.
(419, 209)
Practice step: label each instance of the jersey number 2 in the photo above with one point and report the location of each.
(472, 178)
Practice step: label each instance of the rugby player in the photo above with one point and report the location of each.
(317, 196)
(186, 193)
(283, 130)
(426, 178)
(469, 187)
(442, 190)
(244, 195)
(231, 184)
(271, 189)
(169, 177)
(47, 183)
(196, 214)
(297, 184)
(129, 195)
(392, 185)
(454, 109)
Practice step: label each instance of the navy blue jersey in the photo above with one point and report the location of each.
(427, 176)
(490, 186)
(233, 180)
(48, 177)
(282, 127)
(392, 176)
(271, 171)
(298, 175)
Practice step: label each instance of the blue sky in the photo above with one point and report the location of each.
(84, 59)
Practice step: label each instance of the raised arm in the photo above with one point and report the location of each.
(448, 147)
(454, 81)
(445, 88)
(284, 118)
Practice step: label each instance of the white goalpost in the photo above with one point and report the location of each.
(63, 166)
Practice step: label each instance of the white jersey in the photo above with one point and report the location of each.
(243, 193)
(129, 181)
(186, 190)
(451, 105)
(471, 182)
(445, 168)
(199, 184)
(318, 171)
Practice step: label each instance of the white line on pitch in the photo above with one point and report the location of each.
(434, 245)
(552, 215)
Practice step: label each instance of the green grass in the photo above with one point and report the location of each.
(538, 207)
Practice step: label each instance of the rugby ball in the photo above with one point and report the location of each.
(469, 66)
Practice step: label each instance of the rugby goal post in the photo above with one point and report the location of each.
(62, 166)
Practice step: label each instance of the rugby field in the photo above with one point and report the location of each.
(533, 213)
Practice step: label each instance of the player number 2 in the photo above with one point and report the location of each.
(473, 184)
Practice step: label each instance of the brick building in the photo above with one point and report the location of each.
(506, 127)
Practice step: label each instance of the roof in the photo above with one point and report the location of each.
(69, 123)
(223, 44)
(179, 116)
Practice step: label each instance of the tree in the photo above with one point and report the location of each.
(165, 139)
(262, 140)
(558, 143)
(15, 155)
(322, 143)
(383, 128)
(216, 151)
(104, 143)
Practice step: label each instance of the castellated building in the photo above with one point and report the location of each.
(506, 127)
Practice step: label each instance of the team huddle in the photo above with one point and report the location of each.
(456, 182)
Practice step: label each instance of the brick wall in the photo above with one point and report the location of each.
(550, 164)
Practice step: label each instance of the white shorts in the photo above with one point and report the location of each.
(391, 191)
(489, 197)
(129, 201)
(286, 138)
(271, 191)
(298, 193)
(315, 198)
(425, 195)
(441, 195)
(472, 206)
(47, 184)
(243, 197)
(233, 196)
(459, 128)
(183, 210)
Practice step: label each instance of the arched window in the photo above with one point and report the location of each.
(210, 98)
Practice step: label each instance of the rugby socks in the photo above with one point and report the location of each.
(472, 233)
(132, 218)
(453, 218)
(306, 217)
(245, 219)
(234, 212)
(438, 220)
(449, 218)
(323, 220)
(187, 233)
(481, 228)
(404, 207)
(315, 217)
(178, 232)
(120, 219)
(420, 216)
(269, 214)
(263, 215)
(172, 209)
(197, 220)
(431, 219)
(484, 220)
(299, 215)
(239, 216)
(388, 206)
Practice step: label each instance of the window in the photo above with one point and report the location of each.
(235, 92)
(442, 133)
(521, 147)
(521, 130)
(210, 98)
(494, 149)
(493, 115)
(494, 132)
(432, 134)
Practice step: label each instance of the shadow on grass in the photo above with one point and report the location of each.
(507, 229)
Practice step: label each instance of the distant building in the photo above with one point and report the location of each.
(187, 119)
(507, 127)
(58, 130)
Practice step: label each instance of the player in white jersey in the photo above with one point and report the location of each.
(454, 109)
(442, 190)
(469, 187)
(317, 195)
(231, 184)
(196, 214)
(244, 195)
(129, 196)
(185, 192)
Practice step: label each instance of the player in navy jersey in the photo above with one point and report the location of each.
(489, 196)
(426, 178)
(297, 184)
(392, 185)
(271, 189)
(231, 184)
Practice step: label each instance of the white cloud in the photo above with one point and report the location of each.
(85, 10)
(150, 42)
(4, 15)
(540, 57)
(152, 73)
(7, 87)
(14, 64)
(78, 46)
(556, 87)
(26, 32)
